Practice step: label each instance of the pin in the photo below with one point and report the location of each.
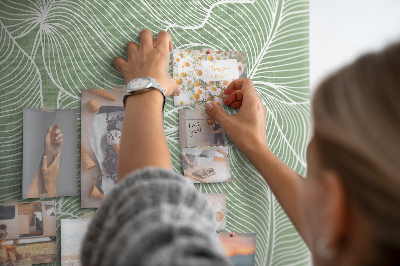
(208, 51)
(232, 234)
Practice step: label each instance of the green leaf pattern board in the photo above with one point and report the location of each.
(50, 50)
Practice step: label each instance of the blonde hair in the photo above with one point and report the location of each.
(356, 115)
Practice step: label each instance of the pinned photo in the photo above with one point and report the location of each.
(198, 129)
(72, 234)
(102, 114)
(239, 247)
(209, 165)
(49, 153)
(204, 75)
(218, 201)
(28, 233)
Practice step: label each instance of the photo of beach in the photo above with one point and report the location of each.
(240, 248)
(72, 233)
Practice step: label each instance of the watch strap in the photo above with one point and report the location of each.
(154, 85)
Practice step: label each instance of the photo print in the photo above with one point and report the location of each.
(28, 233)
(240, 248)
(49, 153)
(204, 74)
(72, 234)
(206, 165)
(218, 201)
(102, 114)
(198, 129)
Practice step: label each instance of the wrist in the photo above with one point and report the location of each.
(151, 100)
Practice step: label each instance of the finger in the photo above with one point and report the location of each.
(177, 92)
(120, 64)
(234, 97)
(44, 163)
(217, 112)
(146, 40)
(245, 85)
(48, 132)
(55, 127)
(60, 142)
(56, 160)
(132, 48)
(59, 137)
(164, 41)
(58, 131)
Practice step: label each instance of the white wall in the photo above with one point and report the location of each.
(341, 30)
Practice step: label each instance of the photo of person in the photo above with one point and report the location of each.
(49, 153)
(216, 129)
(44, 182)
(10, 250)
(199, 129)
(28, 233)
(209, 165)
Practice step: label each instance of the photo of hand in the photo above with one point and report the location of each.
(44, 182)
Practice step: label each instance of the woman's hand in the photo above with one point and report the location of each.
(247, 128)
(149, 59)
(50, 174)
(52, 143)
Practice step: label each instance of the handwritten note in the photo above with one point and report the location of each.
(219, 70)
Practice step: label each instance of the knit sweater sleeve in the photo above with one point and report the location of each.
(153, 217)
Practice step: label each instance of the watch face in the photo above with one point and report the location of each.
(140, 83)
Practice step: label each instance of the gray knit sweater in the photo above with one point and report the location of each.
(153, 217)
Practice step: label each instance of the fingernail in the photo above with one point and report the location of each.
(179, 90)
(209, 106)
(44, 157)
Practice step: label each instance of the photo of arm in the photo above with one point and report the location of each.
(46, 175)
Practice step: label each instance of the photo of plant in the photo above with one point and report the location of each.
(28, 233)
(239, 247)
(102, 114)
(204, 74)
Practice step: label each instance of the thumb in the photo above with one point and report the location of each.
(217, 113)
(56, 159)
(44, 163)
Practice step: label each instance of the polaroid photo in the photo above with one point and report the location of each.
(204, 74)
(240, 248)
(72, 234)
(49, 153)
(28, 233)
(198, 129)
(208, 165)
(218, 201)
(102, 114)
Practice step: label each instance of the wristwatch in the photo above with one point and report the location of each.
(142, 85)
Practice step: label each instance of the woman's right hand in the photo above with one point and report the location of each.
(247, 128)
(53, 142)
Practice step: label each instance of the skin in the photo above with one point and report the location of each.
(317, 205)
(46, 175)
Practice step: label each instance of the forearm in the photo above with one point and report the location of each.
(36, 188)
(143, 142)
(283, 182)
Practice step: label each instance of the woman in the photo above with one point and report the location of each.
(217, 129)
(10, 250)
(346, 210)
